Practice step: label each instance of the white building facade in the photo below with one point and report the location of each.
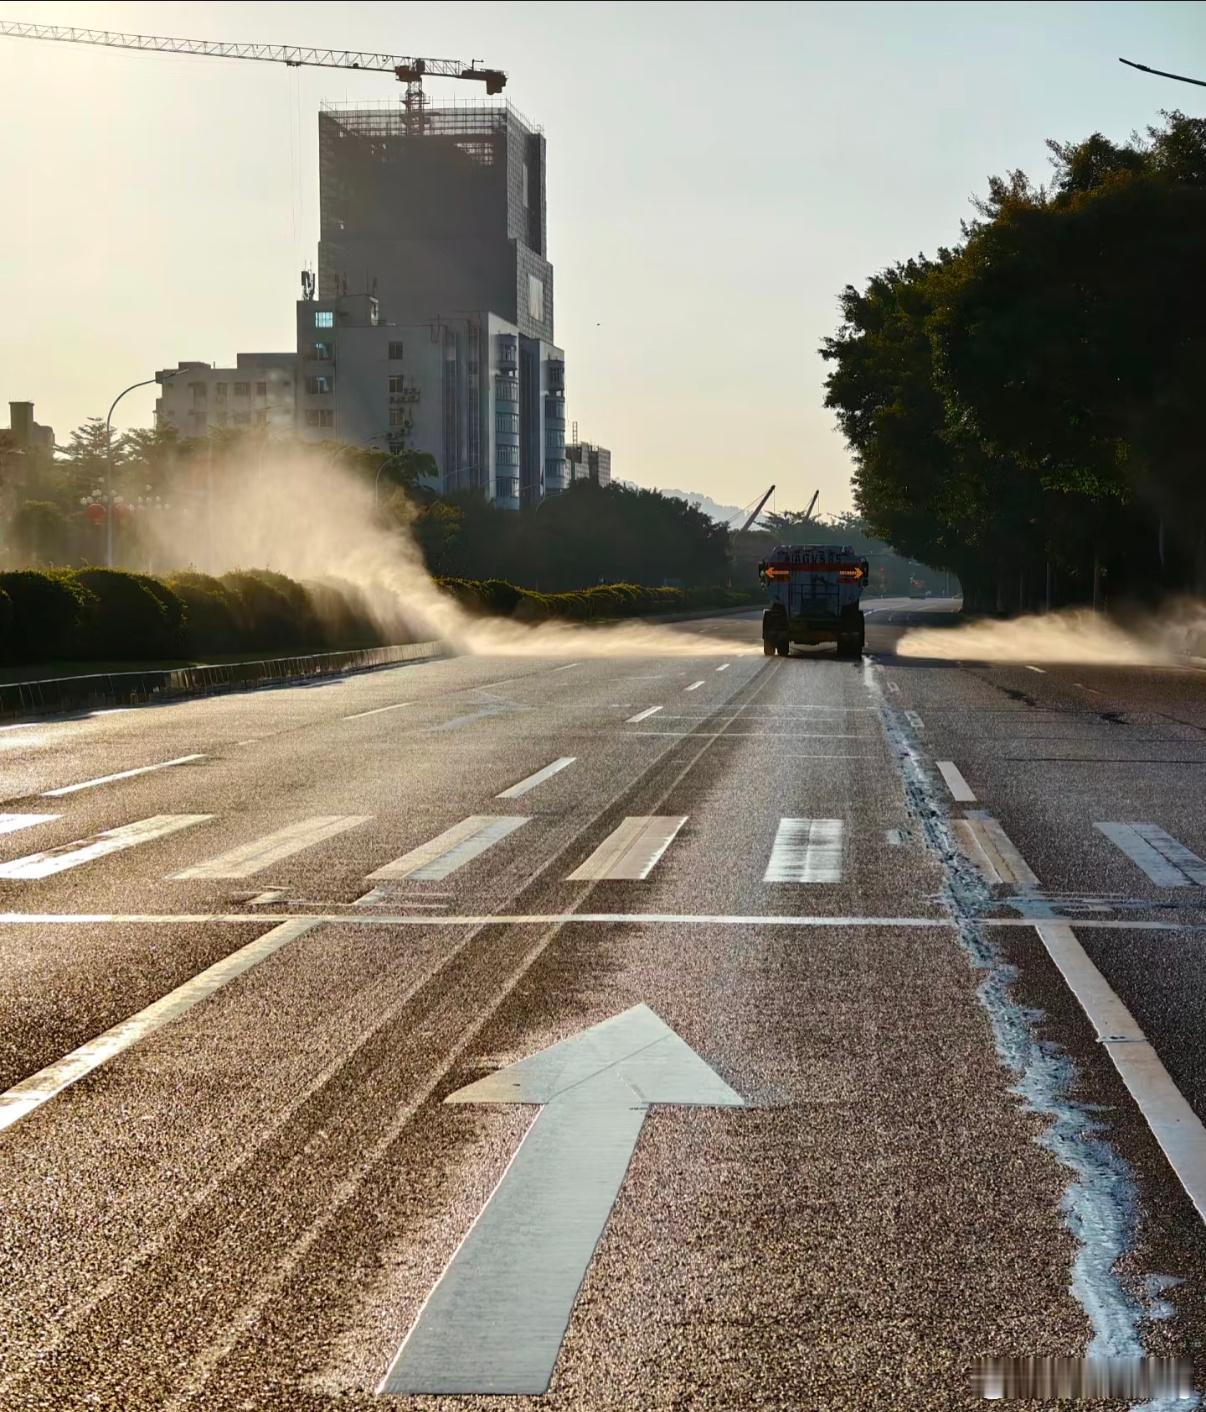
(259, 391)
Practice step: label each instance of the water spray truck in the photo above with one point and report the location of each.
(814, 592)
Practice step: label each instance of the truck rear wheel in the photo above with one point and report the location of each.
(783, 648)
(768, 647)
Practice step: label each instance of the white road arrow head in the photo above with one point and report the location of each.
(495, 1320)
(651, 1059)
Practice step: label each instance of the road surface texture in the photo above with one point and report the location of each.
(933, 931)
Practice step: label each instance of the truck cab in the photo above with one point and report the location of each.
(814, 594)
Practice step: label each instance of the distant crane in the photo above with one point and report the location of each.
(757, 510)
(409, 71)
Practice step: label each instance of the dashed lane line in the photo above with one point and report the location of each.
(631, 851)
(695, 685)
(958, 786)
(120, 775)
(1042, 671)
(85, 850)
(993, 851)
(643, 715)
(378, 710)
(31, 1093)
(517, 790)
(1163, 858)
(1174, 1124)
(10, 823)
(806, 851)
(261, 853)
(725, 667)
(450, 850)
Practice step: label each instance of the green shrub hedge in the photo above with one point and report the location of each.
(109, 615)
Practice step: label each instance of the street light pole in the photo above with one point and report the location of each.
(146, 382)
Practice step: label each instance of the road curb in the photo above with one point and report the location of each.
(53, 695)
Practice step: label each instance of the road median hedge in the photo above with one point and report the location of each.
(109, 615)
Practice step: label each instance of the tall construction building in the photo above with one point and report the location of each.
(432, 323)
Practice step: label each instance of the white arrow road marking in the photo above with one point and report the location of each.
(451, 850)
(958, 786)
(538, 778)
(84, 850)
(1167, 862)
(261, 853)
(495, 1320)
(643, 715)
(806, 851)
(630, 852)
(39, 1088)
(10, 823)
(120, 775)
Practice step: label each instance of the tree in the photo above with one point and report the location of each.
(39, 533)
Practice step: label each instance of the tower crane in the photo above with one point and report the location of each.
(410, 71)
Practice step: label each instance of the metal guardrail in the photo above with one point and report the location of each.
(58, 694)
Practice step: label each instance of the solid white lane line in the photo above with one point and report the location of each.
(261, 853)
(84, 850)
(725, 667)
(567, 666)
(1174, 1124)
(120, 775)
(990, 842)
(643, 715)
(377, 710)
(631, 851)
(1042, 671)
(450, 850)
(695, 685)
(958, 786)
(806, 851)
(10, 823)
(39, 1088)
(698, 919)
(538, 778)
(1167, 862)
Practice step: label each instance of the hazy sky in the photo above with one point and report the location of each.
(717, 173)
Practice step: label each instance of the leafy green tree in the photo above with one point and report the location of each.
(39, 533)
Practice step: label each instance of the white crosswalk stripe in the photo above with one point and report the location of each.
(806, 851)
(630, 852)
(84, 850)
(1165, 860)
(10, 823)
(261, 853)
(450, 850)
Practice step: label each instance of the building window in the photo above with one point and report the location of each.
(242, 419)
(200, 391)
(242, 389)
(321, 353)
(396, 384)
(508, 456)
(220, 390)
(318, 384)
(261, 418)
(507, 422)
(397, 416)
(536, 298)
(261, 389)
(395, 352)
(316, 418)
(324, 318)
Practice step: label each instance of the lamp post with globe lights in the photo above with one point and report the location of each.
(109, 498)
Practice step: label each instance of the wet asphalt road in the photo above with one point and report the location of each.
(246, 1208)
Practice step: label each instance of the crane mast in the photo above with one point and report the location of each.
(408, 70)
